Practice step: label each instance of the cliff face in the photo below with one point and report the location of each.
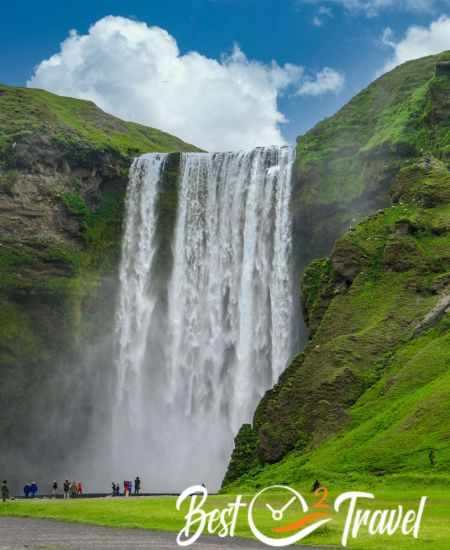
(376, 367)
(63, 175)
(347, 163)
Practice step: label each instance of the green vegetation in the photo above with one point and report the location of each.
(244, 458)
(369, 395)
(315, 286)
(74, 124)
(63, 173)
(346, 164)
(394, 115)
(100, 229)
(76, 204)
(160, 513)
(19, 340)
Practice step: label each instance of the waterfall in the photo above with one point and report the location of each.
(136, 295)
(197, 353)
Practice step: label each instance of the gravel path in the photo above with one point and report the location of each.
(43, 534)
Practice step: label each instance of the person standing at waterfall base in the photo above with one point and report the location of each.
(73, 489)
(66, 488)
(54, 489)
(5, 491)
(137, 485)
(127, 488)
(33, 489)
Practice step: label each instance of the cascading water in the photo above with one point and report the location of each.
(197, 353)
(137, 298)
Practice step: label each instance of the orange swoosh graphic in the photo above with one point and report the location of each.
(301, 522)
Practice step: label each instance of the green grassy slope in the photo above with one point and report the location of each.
(75, 123)
(346, 164)
(369, 394)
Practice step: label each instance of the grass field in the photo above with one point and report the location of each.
(159, 513)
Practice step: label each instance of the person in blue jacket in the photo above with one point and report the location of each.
(33, 489)
(26, 490)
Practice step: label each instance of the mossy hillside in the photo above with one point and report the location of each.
(346, 165)
(245, 457)
(75, 158)
(426, 183)
(75, 125)
(439, 113)
(392, 428)
(63, 173)
(317, 289)
(63, 176)
(62, 272)
(373, 372)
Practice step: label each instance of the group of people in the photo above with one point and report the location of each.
(30, 490)
(71, 489)
(127, 488)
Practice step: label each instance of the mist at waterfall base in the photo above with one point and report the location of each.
(205, 316)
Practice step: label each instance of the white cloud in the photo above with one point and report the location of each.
(417, 42)
(387, 37)
(327, 80)
(371, 8)
(138, 73)
(322, 13)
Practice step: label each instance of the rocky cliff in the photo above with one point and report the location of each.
(347, 163)
(63, 174)
(368, 393)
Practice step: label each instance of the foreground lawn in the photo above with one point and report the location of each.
(159, 513)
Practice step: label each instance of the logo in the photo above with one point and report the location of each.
(304, 526)
(279, 516)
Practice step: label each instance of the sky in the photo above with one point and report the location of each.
(222, 74)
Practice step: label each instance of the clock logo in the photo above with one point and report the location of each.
(267, 502)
